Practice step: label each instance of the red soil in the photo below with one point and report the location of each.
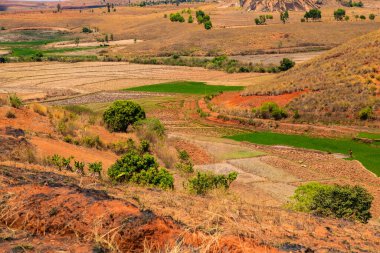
(26, 119)
(49, 147)
(46, 204)
(230, 100)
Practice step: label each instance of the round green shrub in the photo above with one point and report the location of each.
(121, 114)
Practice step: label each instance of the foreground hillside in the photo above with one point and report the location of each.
(337, 85)
(46, 205)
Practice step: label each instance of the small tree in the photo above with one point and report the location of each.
(121, 114)
(108, 7)
(362, 17)
(284, 16)
(76, 41)
(371, 16)
(339, 14)
(346, 18)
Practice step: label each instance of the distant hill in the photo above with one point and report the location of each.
(282, 5)
(339, 83)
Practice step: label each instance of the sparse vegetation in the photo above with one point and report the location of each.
(122, 114)
(366, 113)
(347, 202)
(10, 115)
(204, 182)
(15, 101)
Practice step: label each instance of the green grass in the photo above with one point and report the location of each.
(372, 136)
(30, 51)
(367, 154)
(185, 87)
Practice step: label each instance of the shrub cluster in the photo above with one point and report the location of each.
(339, 14)
(176, 17)
(270, 110)
(121, 114)
(203, 182)
(313, 14)
(203, 18)
(347, 202)
(219, 63)
(139, 167)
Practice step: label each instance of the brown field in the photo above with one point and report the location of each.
(88, 77)
(234, 30)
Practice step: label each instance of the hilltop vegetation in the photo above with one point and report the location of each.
(339, 84)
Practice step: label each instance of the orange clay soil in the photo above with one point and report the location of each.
(46, 204)
(48, 147)
(26, 120)
(231, 100)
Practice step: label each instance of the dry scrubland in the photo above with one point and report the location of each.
(234, 30)
(338, 84)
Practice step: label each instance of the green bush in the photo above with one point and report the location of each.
(347, 202)
(270, 110)
(121, 114)
(366, 113)
(79, 167)
(372, 16)
(286, 64)
(122, 147)
(261, 20)
(190, 20)
(339, 14)
(208, 25)
(15, 101)
(96, 168)
(203, 182)
(141, 169)
(86, 30)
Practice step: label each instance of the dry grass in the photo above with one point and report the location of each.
(341, 82)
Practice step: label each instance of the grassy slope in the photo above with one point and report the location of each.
(185, 87)
(368, 155)
(345, 78)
